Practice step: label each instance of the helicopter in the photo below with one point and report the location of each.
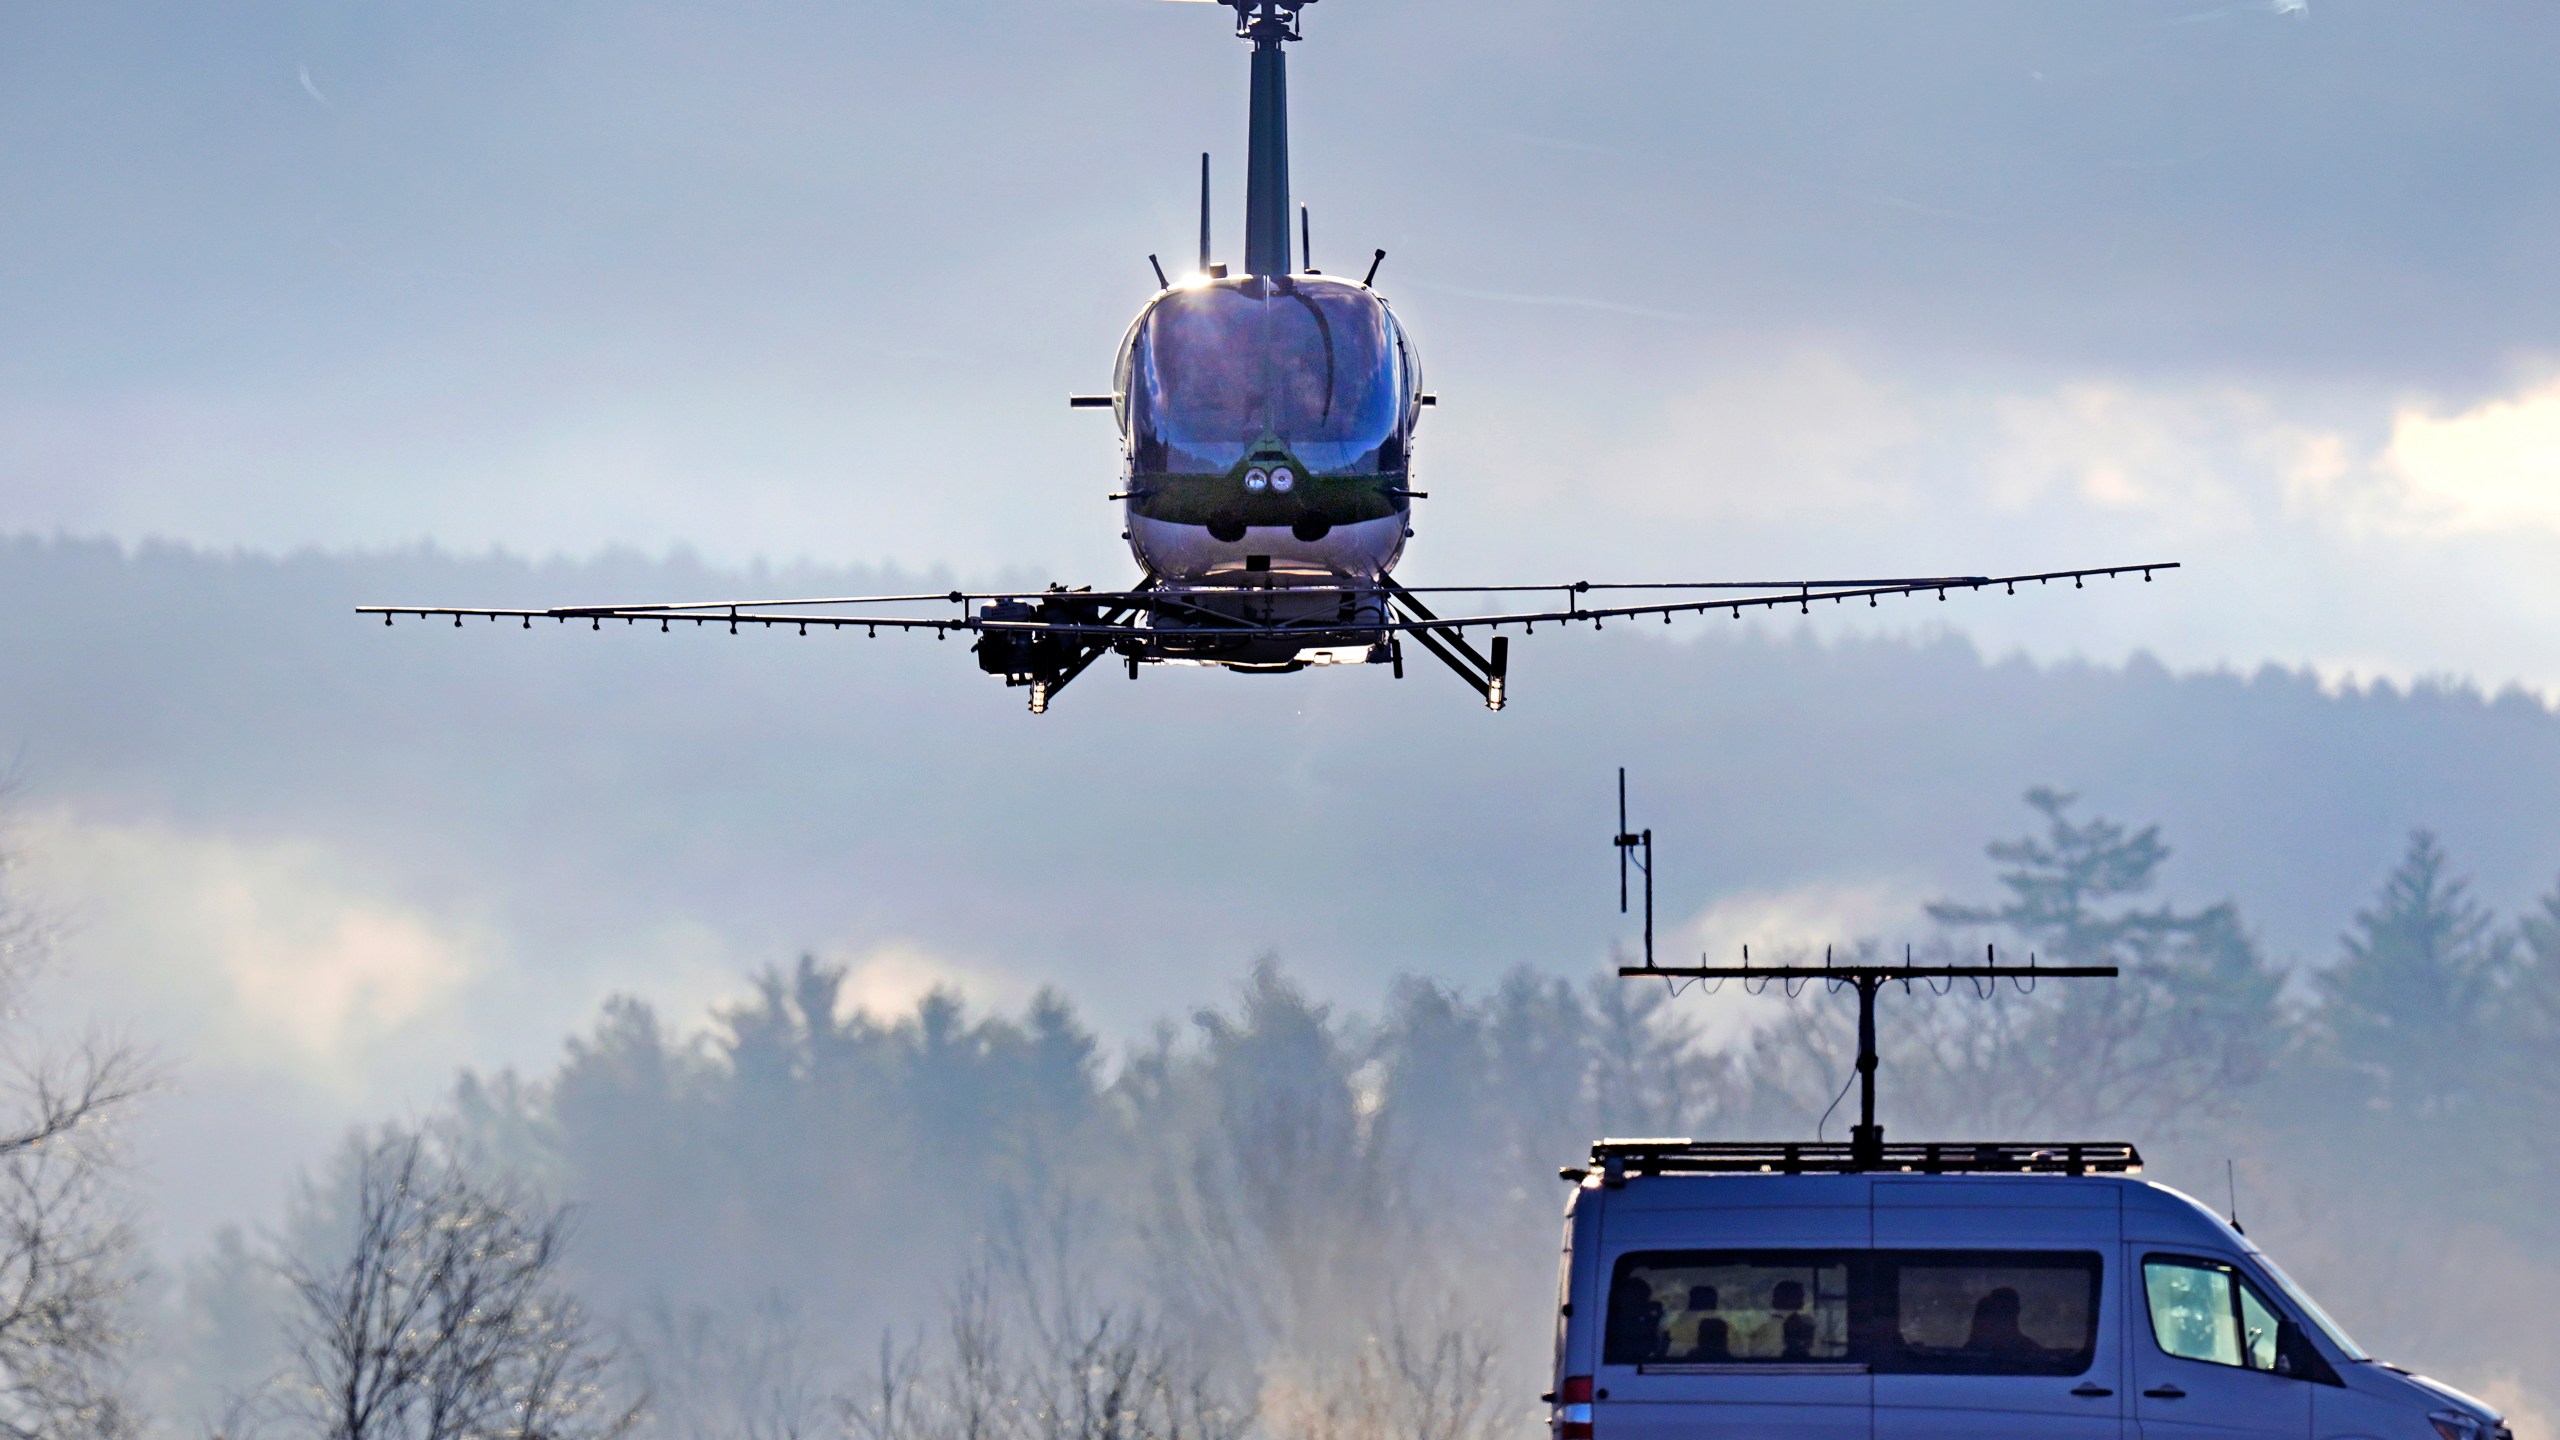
(1267, 421)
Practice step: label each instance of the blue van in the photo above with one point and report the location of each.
(1952, 1292)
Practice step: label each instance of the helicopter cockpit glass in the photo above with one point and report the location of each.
(1316, 365)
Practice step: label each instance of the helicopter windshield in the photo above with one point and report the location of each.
(1216, 370)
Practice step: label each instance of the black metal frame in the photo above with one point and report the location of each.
(1089, 622)
(1266, 21)
(1615, 1160)
(1866, 1138)
(1866, 1149)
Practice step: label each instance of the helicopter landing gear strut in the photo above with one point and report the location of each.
(1489, 674)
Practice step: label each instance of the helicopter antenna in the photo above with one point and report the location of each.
(1306, 243)
(1204, 212)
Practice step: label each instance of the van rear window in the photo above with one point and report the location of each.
(1725, 1307)
(1946, 1312)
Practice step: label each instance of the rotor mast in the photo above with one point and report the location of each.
(1269, 24)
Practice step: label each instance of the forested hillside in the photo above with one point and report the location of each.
(1285, 1216)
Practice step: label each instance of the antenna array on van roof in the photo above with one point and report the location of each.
(1615, 1160)
(1866, 1149)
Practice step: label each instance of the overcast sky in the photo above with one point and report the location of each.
(1705, 288)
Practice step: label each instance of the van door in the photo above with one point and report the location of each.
(2206, 1365)
(1991, 1315)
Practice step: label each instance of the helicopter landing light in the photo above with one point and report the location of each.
(1335, 655)
(1282, 477)
(1256, 478)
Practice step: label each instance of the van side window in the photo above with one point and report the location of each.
(2206, 1310)
(1719, 1307)
(1985, 1313)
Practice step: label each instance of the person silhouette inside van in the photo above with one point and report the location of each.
(1635, 1324)
(1715, 1338)
(1795, 1329)
(1995, 1326)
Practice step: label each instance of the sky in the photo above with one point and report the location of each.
(666, 292)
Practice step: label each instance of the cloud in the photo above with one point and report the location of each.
(2491, 468)
(885, 980)
(247, 951)
(1792, 918)
(1803, 434)
(2196, 462)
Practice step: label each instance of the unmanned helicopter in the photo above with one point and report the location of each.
(1267, 422)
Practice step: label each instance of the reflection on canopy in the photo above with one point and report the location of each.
(1316, 364)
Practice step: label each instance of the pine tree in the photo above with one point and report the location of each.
(2193, 1022)
(2408, 1007)
(2527, 1067)
(2533, 1011)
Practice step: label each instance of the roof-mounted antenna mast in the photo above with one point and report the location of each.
(1866, 1138)
(1628, 843)
(1269, 24)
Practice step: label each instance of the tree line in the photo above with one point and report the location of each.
(802, 1222)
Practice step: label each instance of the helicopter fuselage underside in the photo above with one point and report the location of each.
(1267, 555)
(1269, 577)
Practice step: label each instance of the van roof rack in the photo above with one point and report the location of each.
(1615, 1160)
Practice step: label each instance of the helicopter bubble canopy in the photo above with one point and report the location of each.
(1317, 366)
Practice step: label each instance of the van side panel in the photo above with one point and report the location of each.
(1681, 1401)
(1981, 1227)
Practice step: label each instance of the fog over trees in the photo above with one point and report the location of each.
(789, 1219)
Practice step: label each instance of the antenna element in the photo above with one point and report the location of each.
(1628, 843)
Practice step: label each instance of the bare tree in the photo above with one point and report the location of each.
(718, 1376)
(1434, 1382)
(66, 1246)
(445, 1317)
(1034, 1348)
